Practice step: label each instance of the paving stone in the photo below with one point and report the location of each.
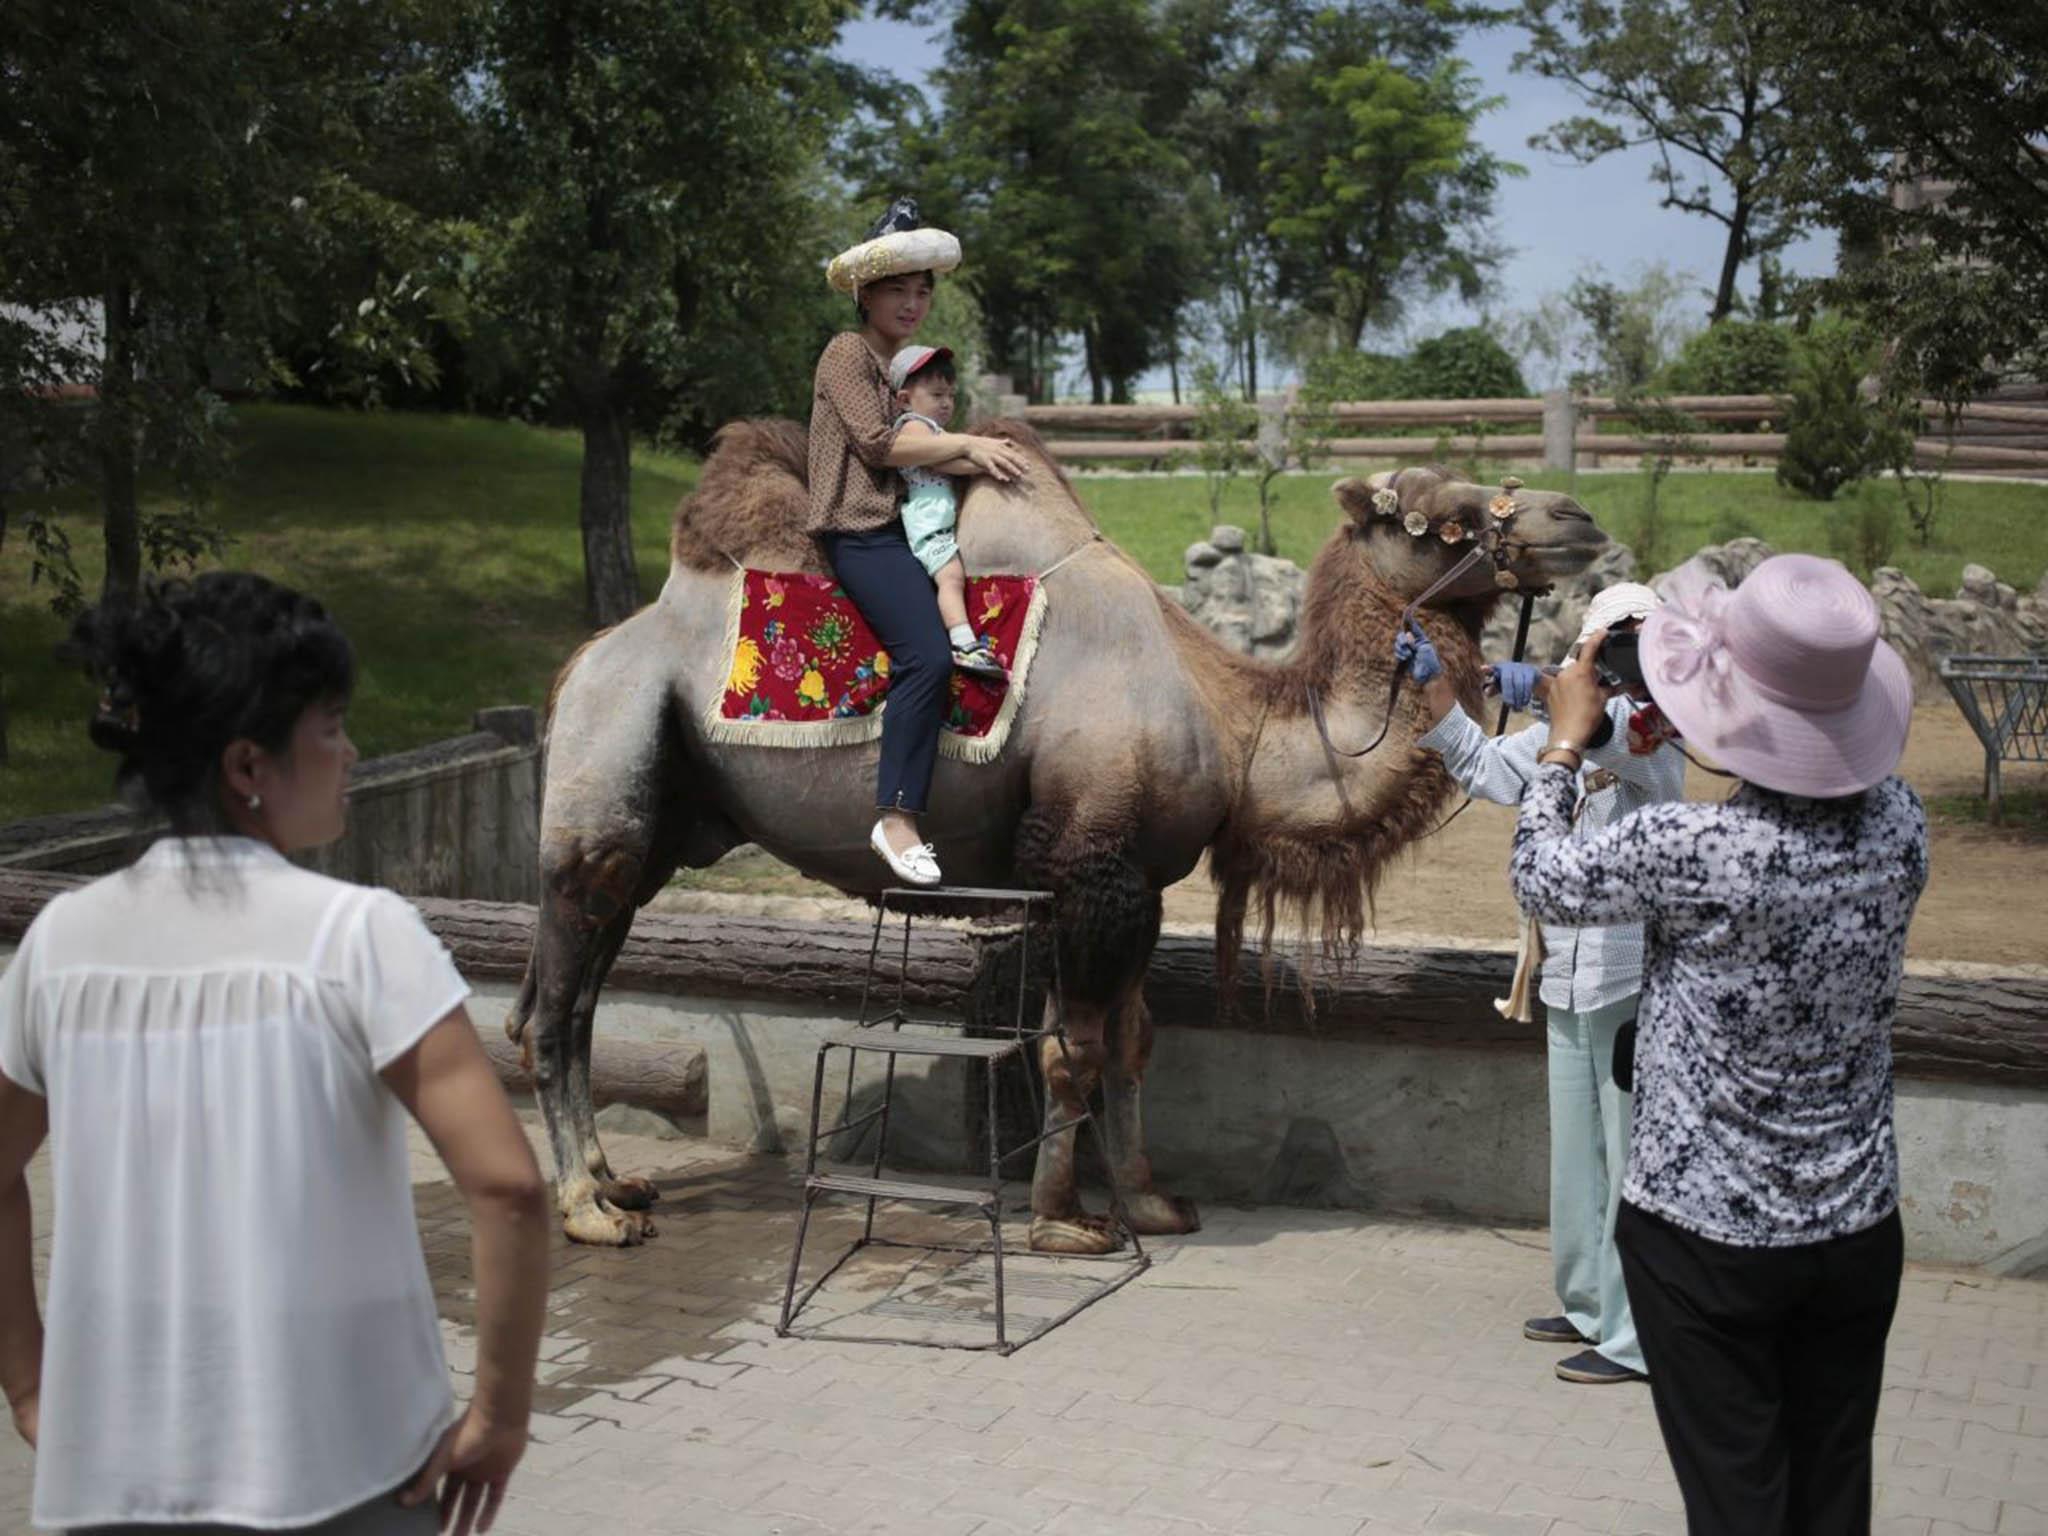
(1293, 1372)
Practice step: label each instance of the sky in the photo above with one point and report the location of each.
(1557, 221)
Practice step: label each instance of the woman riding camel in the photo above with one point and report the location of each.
(856, 516)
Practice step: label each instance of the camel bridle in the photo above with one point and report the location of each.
(1491, 542)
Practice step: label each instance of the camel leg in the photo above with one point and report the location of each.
(1153, 1214)
(1059, 1223)
(1108, 922)
(616, 819)
(571, 954)
(627, 1194)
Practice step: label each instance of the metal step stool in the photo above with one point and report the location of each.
(886, 1035)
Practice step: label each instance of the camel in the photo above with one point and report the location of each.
(1141, 743)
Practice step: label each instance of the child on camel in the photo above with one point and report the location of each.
(925, 390)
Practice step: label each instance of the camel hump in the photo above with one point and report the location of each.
(752, 503)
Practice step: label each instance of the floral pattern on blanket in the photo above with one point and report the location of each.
(803, 653)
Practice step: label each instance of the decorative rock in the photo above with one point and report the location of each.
(1251, 603)
(1730, 562)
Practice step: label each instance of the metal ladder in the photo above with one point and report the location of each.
(886, 1035)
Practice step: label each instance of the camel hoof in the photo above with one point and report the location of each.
(629, 1194)
(1156, 1215)
(601, 1226)
(1089, 1235)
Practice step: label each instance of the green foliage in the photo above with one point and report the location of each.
(1863, 532)
(1734, 357)
(1700, 80)
(1224, 426)
(1359, 376)
(1380, 185)
(1953, 272)
(643, 167)
(156, 158)
(1467, 363)
(1605, 336)
(1670, 433)
(1055, 162)
(1833, 436)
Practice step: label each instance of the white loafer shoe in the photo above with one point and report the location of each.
(915, 866)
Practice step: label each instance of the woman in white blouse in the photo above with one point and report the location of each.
(1759, 1231)
(223, 1049)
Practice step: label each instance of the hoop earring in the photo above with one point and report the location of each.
(255, 802)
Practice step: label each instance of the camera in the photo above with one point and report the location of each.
(1620, 664)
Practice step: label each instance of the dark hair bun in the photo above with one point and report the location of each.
(195, 665)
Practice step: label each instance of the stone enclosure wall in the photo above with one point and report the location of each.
(1252, 603)
(456, 818)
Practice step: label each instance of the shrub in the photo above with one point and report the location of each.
(1463, 364)
(1862, 531)
(1833, 436)
(1358, 376)
(1736, 357)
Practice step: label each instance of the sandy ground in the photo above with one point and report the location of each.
(1987, 900)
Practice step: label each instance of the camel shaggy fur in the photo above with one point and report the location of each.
(1142, 743)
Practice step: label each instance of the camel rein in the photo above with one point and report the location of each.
(1492, 546)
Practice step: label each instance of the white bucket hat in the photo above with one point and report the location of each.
(1611, 605)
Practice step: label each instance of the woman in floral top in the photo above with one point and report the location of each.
(1759, 1233)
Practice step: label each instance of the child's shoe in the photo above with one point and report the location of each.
(979, 659)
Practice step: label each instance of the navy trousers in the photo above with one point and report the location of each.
(895, 596)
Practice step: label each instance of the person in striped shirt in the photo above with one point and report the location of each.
(1590, 982)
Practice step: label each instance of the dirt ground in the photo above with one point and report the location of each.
(1986, 902)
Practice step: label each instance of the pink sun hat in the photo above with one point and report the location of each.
(1783, 681)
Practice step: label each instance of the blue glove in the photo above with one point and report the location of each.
(1516, 681)
(1414, 651)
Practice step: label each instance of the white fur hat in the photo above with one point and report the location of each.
(1610, 605)
(890, 255)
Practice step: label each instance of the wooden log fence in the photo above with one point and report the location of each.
(1995, 437)
(1969, 1023)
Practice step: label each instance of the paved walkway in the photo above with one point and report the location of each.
(1289, 1372)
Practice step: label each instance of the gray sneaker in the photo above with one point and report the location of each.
(979, 659)
(1591, 1368)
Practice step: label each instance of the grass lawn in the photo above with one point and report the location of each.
(448, 547)
(2003, 525)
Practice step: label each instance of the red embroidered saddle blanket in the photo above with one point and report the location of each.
(804, 669)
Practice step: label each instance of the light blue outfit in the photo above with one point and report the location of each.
(1591, 981)
(930, 510)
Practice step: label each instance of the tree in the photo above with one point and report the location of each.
(1697, 80)
(1052, 158)
(1380, 187)
(1919, 136)
(642, 168)
(1607, 336)
(165, 170)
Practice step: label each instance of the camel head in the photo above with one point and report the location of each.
(1418, 523)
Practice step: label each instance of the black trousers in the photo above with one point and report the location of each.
(895, 595)
(1764, 1366)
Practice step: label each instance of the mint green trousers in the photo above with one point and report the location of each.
(1588, 1157)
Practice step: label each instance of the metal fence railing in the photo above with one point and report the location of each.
(2005, 699)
